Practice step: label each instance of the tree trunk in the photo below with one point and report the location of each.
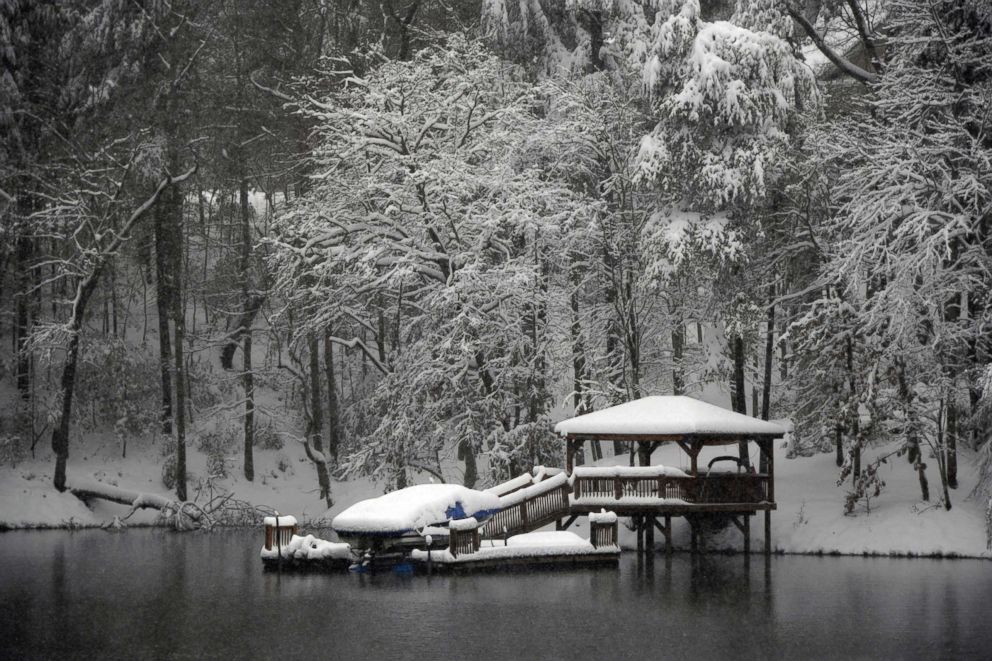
(163, 295)
(316, 420)
(248, 379)
(952, 445)
(467, 453)
(251, 301)
(738, 394)
(738, 391)
(678, 358)
(84, 290)
(332, 396)
(856, 453)
(922, 475)
(245, 324)
(175, 211)
(766, 385)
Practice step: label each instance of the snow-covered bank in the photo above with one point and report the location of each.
(809, 518)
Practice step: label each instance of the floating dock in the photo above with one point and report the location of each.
(468, 552)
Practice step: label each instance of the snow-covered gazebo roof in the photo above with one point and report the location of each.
(667, 418)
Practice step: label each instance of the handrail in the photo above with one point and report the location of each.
(541, 507)
(534, 511)
(702, 489)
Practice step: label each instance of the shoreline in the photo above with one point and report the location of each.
(658, 554)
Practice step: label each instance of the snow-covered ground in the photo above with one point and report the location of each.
(809, 518)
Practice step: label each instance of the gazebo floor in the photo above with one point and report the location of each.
(662, 509)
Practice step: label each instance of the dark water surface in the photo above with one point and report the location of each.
(154, 594)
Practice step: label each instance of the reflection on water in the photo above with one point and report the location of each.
(155, 594)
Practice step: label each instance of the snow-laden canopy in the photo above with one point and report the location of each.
(410, 509)
(667, 416)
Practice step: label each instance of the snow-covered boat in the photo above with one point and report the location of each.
(401, 518)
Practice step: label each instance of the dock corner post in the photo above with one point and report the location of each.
(693, 538)
(278, 545)
(649, 533)
(639, 526)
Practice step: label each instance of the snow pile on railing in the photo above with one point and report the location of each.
(471, 523)
(307, 548)
(285, 521)
(540, 473)
(602, 517)
(411, 509)
(519, 482)
(533, 491)
(626, 471)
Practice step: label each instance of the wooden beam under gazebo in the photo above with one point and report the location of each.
(649, 494)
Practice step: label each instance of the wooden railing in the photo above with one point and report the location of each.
(603, 534)
(705, 489)
(463, 541)
(529, 514)
(278, 537)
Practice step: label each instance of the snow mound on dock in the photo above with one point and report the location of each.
(309, 548)
(413, 508)
(542, 540)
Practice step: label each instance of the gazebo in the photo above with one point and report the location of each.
(647, 492)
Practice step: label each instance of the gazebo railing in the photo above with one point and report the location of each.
(704, 489)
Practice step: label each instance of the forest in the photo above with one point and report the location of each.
(410, 235)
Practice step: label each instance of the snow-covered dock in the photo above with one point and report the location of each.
(467, 551)
(284, 549)
(453, 526)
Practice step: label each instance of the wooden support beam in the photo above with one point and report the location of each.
(747, 534)
(650, 523)
(768, 532)
(668, 534)
(569, 521)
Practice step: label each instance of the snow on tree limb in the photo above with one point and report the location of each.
(836, 58)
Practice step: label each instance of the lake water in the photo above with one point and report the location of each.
(154, 594)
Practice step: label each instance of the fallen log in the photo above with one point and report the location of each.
(87, 491)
